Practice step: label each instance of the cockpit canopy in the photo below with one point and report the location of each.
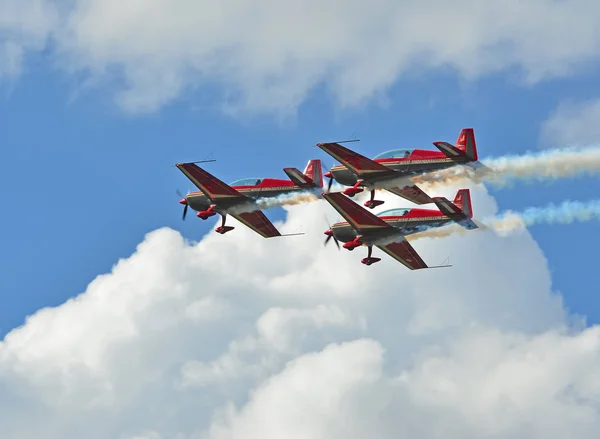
(247, 182)
(394, 212)
(395, 154)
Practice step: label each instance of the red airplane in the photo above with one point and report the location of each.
(240, 198)
(387, 230)
(392, 170)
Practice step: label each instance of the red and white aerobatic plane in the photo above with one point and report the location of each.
(387, 230)
(240, 198)
(393, 170)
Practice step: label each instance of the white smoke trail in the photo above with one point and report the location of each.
(547, 165)
(510, 222)
(287, 199)
(269, 202)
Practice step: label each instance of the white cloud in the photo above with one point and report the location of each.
(24, 25)
(268, 56)
(572, 124)
(238, 336)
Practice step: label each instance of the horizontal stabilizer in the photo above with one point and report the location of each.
(460, 211)
(468, 224)
(465, 146)
(299, 178)
(448, 149)
(478, 165)
(447, 208)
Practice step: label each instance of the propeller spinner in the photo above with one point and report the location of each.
(330, 235)
(329, 175)
(185, 203)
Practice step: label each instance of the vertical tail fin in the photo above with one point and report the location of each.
(462, 200)
(460, 210)
(314, 171)
(311, 177)
(466, 143)
(465, 146)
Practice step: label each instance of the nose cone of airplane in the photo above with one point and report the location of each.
(183, 201)
(329, 232)
(328, 174)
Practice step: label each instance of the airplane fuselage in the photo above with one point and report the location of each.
(418, 220)
(419, 162)
(268, 188)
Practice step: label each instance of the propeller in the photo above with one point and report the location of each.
(185, 203)
(330, 183)
(329, 175)
(330, 235)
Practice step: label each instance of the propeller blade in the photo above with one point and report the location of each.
(330, 234)
(329, 184)
(184, 212)
(337, 243)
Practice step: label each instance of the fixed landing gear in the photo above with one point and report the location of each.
(351, 245)
(222, 229)
(205, 214)
(352, 191)
(370, 260)
(373, 203)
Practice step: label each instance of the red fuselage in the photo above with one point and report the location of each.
(262, 188)
(418, 162)
(413, 220)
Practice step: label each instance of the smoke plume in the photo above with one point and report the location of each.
(511, 222)
(287, 199)
(542, 166)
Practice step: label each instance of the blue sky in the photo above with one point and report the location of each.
(113, 326)
(83, 183)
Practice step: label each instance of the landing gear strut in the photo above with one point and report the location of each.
(370, 260)
(373, 203)
(205, 214)
(222, 229)
(356, 189)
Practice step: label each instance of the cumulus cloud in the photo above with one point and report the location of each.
(25, 25)
(269, 56)
(572, 124)
(237, 336)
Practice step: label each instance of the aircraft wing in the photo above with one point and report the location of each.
(404, 253)
(210, 185)
(361, 165)
(258, 222)
(412, 193)
(359, 218)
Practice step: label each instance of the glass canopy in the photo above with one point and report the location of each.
(394, 154)
(394, 212)
(246, 182)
